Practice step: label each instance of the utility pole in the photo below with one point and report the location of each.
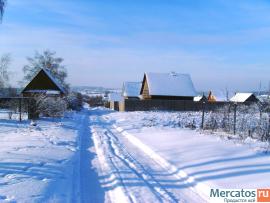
(234, 118)
(269, 89)
(260, 88)
(227, 94)
(203, 112)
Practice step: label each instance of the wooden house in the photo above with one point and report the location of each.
(244, 97)
(131, 90)
(114, 99)
(211, 97)
(167, 86)
(43, 83)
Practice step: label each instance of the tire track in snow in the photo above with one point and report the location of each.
(108, 167)
(121, 153)
(119, 157)
(196, 189)
(189, 188)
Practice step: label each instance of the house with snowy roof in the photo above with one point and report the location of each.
(43, 83)
(167, 86)
(244, 97)
(114, 98)
(131, 90)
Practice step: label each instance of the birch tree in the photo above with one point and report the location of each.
(5, 61)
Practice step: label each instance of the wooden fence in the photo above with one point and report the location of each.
(168, 105)
(174, 105)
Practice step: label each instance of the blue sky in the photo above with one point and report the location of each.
(221, 43)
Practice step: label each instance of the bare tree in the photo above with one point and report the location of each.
(2, 7)
(5, 61)
(46, 60)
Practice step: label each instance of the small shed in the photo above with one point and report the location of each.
(131, 90)
(43, 83)
(114, 99)
(167, 86)
(244, 97)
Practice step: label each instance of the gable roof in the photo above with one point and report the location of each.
(169, 84)
(131, 89)
(241, 97)
(115, 96)
(56, 82)
(41, 77)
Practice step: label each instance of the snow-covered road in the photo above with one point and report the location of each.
(98, 155)
(131, 175)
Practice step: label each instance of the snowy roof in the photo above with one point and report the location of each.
(131, 89)
(170, 84)
(240, 97)
(115, 96)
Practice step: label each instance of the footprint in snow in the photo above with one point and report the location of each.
(45, 179)
(41, 164)
(73, 149)
(10, 176)
(61, 161)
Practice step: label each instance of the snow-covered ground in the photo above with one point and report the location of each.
(191, 162)
(39, 163)
(99, 155)
(11, 115)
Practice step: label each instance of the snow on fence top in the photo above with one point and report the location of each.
(240, 97)
(115, 96)
(170, 84)
(131, 89)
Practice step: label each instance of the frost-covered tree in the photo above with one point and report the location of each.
(49, 61)
(50, 106)
(5, 61)
(2, 7)
(75, 101)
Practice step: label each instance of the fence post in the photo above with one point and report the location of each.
(28, 108)
(203, 110)
(268, 133)
(234, 118)
(20, 108)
